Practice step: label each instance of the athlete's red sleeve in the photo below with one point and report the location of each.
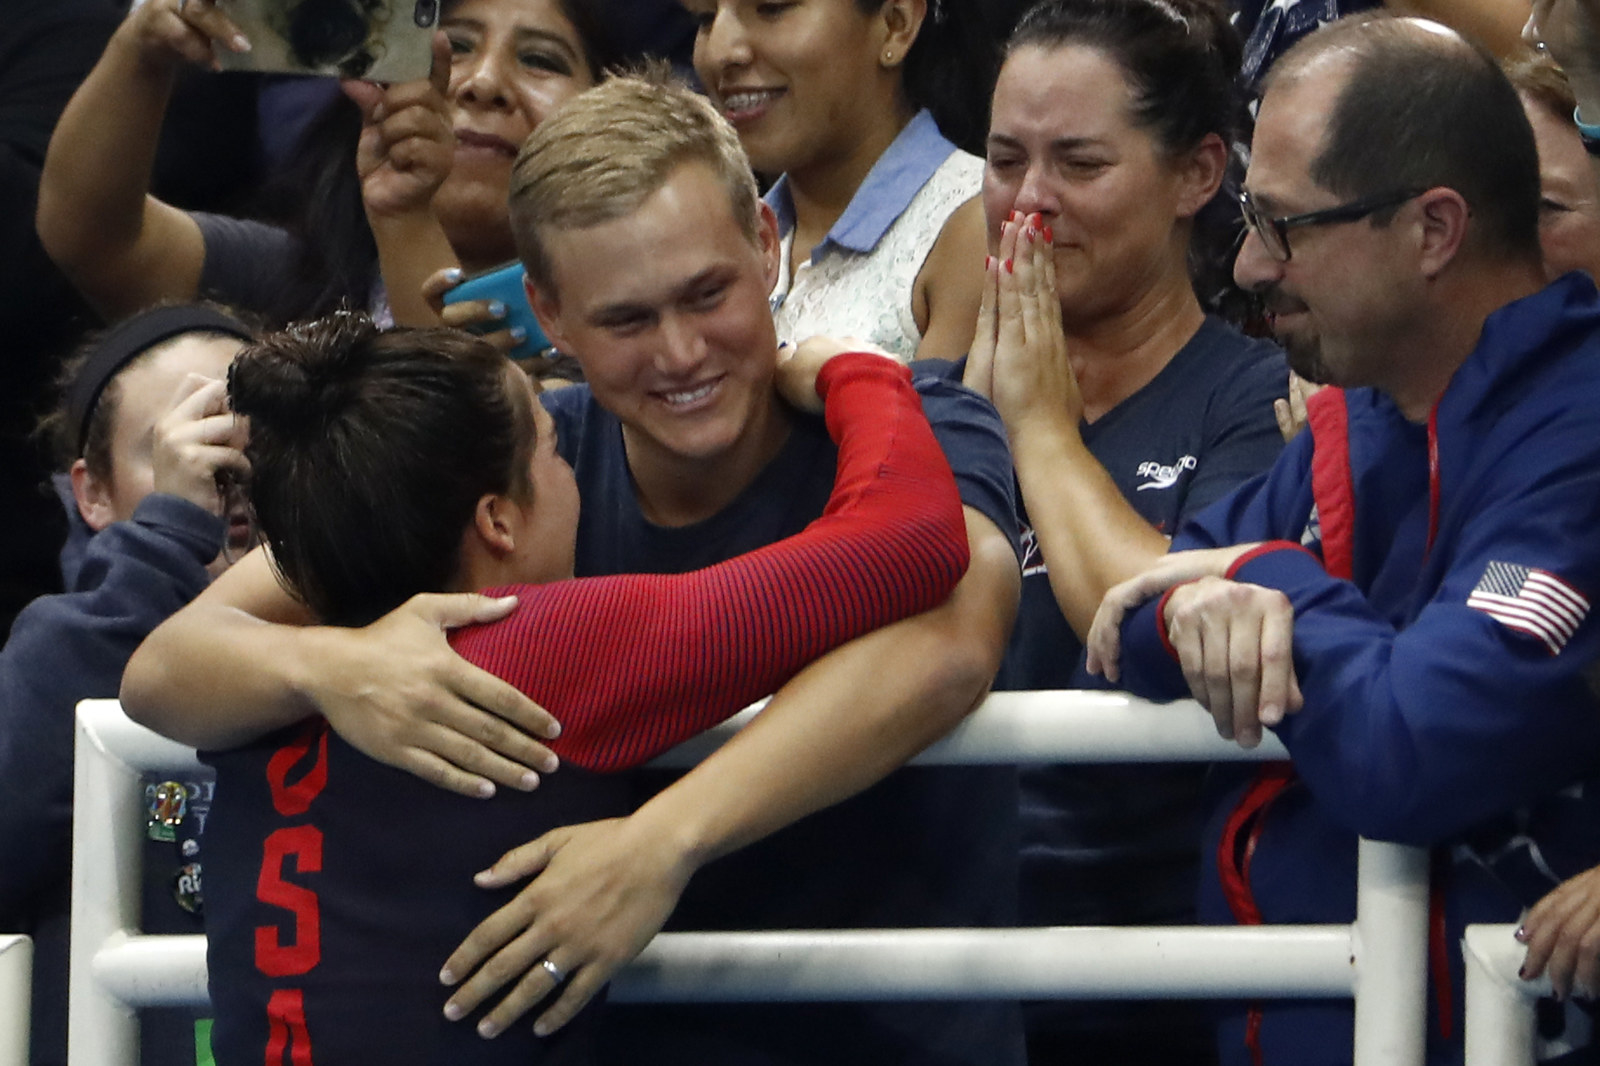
(634, 664)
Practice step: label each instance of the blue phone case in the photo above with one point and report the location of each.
(505, 284)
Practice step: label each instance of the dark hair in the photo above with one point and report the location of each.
(369, 452)
(317, 198)
(78, 428)
(950, 69)
(1180, 59)
(598, 33)
(1421, 109)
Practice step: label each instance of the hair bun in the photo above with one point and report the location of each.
(298, 380)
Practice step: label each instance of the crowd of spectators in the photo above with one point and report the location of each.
(1258, 338)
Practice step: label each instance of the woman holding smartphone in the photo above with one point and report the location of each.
(432, 162)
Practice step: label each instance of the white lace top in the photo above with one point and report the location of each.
(859, 281)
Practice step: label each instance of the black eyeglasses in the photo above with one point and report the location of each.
(1274, 232)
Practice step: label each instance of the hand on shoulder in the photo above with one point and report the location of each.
(798, 367)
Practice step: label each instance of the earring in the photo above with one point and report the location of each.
(888, 57)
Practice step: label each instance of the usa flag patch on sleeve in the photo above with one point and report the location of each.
(1530, 601)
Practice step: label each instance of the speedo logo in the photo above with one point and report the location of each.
(1163, 476)
(1032, 558)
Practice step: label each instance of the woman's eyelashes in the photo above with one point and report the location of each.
(541, 58)
(546, 61)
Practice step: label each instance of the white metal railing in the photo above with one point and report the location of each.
(1380, 960)
(16, 982)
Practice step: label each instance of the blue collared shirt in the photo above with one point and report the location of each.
(902, 170)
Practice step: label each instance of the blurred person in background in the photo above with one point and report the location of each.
(144, 431)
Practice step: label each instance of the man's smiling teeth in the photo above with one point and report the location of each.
(749, 100)
(688, 396)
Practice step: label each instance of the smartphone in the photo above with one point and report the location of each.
(505, 283)
(377, 40)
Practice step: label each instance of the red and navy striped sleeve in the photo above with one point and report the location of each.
(634, 664)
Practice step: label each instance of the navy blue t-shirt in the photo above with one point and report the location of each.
(923, 847)
(1114, 844)
(1117, 845)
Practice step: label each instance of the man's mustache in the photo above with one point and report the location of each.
(1276, 302)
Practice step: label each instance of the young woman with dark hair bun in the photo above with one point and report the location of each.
(387, 465)
(358, 174)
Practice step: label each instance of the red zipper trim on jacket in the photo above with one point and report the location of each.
(1332, 484)
(1233, 866)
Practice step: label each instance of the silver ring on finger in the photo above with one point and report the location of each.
(557, 974)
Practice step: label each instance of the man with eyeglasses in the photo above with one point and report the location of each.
(1405, 596)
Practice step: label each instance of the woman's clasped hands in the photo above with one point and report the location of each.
(1019, 356)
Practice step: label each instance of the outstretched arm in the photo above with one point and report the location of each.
(397, 692)
(393, 689)
(684, 651)
(119, 245)
(604, 889)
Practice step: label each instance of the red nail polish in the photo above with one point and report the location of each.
(1032, 234)
(988, 263)
(1010, 267)
(1012, 217)
(1049, 235)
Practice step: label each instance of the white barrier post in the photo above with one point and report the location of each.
(1391, 950)
(16, 983)
(107, 840)
(1499, 1004)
